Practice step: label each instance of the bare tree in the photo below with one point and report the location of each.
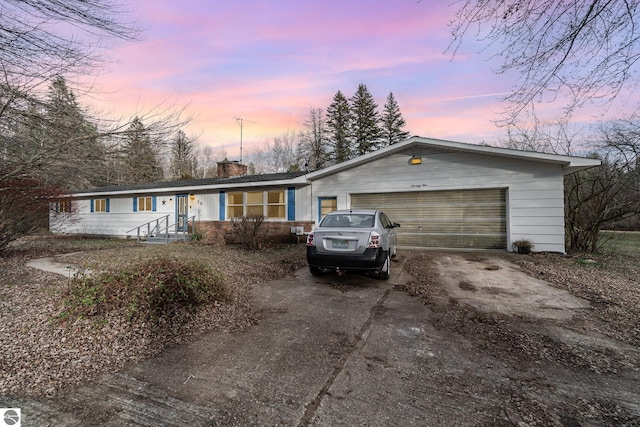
(314, 140)
(555, 137)
(280, 155)
(582, 50)
(182, 163)
(594, 198)
(43, 138)
(284, 153)
(44, 38)
(205, 161)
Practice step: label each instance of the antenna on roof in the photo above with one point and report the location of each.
(240, 121)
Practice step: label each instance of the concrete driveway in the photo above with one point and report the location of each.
(329, 351)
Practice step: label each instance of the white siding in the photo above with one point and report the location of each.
(535, 202)
(122, 218)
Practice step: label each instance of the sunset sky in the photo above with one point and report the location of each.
(270, 61)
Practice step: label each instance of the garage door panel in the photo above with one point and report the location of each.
(452, 241)
(454, 219)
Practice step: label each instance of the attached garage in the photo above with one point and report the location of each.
(448, 194)
(472, 219)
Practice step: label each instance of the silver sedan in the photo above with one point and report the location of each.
(360, 240)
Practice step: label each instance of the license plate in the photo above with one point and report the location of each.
(340, 244)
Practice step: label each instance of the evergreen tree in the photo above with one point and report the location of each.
(74, 137)
(140, 160)
(366, 121)
(183, 162)
(339, 125)
(392, 122)
(314, 140)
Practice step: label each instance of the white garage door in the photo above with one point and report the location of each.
(444, 219)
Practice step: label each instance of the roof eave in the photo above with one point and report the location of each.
(569, 164)
(298, 181)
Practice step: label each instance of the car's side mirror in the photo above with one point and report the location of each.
(395, 225)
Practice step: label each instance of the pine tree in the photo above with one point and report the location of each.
(392, 122)
(70, 135)
(339, 125)
(366, 126)
(182, 157)
(140, 160)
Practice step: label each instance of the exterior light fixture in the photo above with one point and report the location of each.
(192, 197)
(415, 160)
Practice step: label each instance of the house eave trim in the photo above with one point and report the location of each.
(296, 182)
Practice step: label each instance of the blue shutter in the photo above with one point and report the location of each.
(222, 205)
(107, 203)
(291, 204)
(91, 205)
(153, 203)
(135, 204)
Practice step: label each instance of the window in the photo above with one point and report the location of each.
(271, 204)
(348, 220)
(235, 205)
(145, 204)
(327, 204)
(63, 206)
(275, 204)
(255, 203)
(100, 205)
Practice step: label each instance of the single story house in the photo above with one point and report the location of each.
(444, 194)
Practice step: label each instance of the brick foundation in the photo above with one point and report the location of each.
(221, 232)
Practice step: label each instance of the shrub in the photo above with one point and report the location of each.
(523, 246)
(154, 290)
(246, 230)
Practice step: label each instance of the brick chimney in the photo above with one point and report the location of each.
(227, 169)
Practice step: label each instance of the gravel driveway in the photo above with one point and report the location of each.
(452, 338)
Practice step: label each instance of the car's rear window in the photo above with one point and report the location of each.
(348, 220)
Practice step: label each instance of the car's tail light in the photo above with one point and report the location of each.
(374, 240)
(310, 240)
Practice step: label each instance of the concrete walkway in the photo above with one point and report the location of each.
(54, 265)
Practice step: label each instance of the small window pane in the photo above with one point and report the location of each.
(254, 198)
(275, 211)
(234, 211)
(235, 198)
(275, 197)
(100, 205)
(255, 210)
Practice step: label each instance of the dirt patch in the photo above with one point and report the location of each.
(45, 353)
(541, 369)
(465, 285)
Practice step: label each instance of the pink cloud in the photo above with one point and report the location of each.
(270, 61)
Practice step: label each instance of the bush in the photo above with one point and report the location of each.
(155, 290)
(246, 230)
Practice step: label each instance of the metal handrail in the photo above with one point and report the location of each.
(174, 226)
(157, 229)
(150, 231)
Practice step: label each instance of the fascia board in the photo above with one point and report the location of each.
(299, 181)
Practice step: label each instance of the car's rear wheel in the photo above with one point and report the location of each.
(385, 271)
(315, 271)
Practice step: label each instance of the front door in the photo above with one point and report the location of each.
(182, 212)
